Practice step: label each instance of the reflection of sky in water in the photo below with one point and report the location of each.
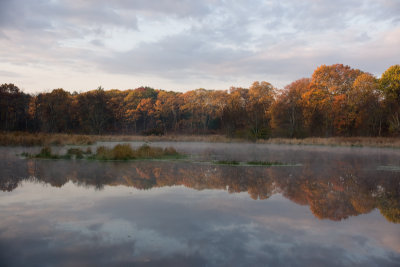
(179, 226)
(95, 213)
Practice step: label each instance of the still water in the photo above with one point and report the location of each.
(328, 206)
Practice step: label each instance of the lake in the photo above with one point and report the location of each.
(326, 206)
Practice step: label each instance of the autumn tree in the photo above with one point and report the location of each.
(235, 114)
(390, 86)
(94, 112)
(336, 101)
(287, 110)
(116, 105)
(132, 114)
(166, 110)
(53, 110)
(145, 109)
(13, 108)
(261, 97)
(365, 108)
(195, 108)
(326, 100)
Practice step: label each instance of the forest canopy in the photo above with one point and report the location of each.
(336, 100)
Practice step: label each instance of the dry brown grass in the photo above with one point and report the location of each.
(43, 139)
(170, 138)
(388, 142)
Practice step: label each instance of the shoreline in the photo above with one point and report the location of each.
(58, 139)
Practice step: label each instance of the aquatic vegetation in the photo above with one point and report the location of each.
(227, 162)
(118, 152)
(265, 163)
(252, 163)
(46, 153)
(126, 152)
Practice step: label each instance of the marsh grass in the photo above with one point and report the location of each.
(126, 152)
(44, 139)
(265, 163)
(227, 162)
(251, 163)
(118, 152)
(384, 142)
(58, 139)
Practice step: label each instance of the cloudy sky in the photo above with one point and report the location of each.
(185, 44)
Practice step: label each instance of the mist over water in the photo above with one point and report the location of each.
(330, 206)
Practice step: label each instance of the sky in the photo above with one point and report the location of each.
(182, 45)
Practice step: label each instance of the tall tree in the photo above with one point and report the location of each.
(94, 112)
(365, 107)
(13, 108)
(53, 110)
(390, 85)
(329, 88)
(287, 110)
(261, 97)
(235, 114)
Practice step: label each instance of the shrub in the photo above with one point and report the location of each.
(45, 152)
(103, 153)
(75, 151)
(122, 152)
(170, 151)
(228, 162)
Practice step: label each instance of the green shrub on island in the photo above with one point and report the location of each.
(126, 152)
(45, 152)
(119, 152)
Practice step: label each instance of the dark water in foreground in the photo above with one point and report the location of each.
(337, 207)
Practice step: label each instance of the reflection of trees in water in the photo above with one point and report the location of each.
(334, 191)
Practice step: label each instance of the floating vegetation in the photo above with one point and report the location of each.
(227, 162)
(265, 163)
(123, 152)
(119, 152)
(253, 163)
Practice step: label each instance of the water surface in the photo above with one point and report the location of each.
(332, 207)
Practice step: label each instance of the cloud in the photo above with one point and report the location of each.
(192, 42)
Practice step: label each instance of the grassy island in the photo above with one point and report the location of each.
(118, 152)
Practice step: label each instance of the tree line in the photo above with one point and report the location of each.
(336, 101)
